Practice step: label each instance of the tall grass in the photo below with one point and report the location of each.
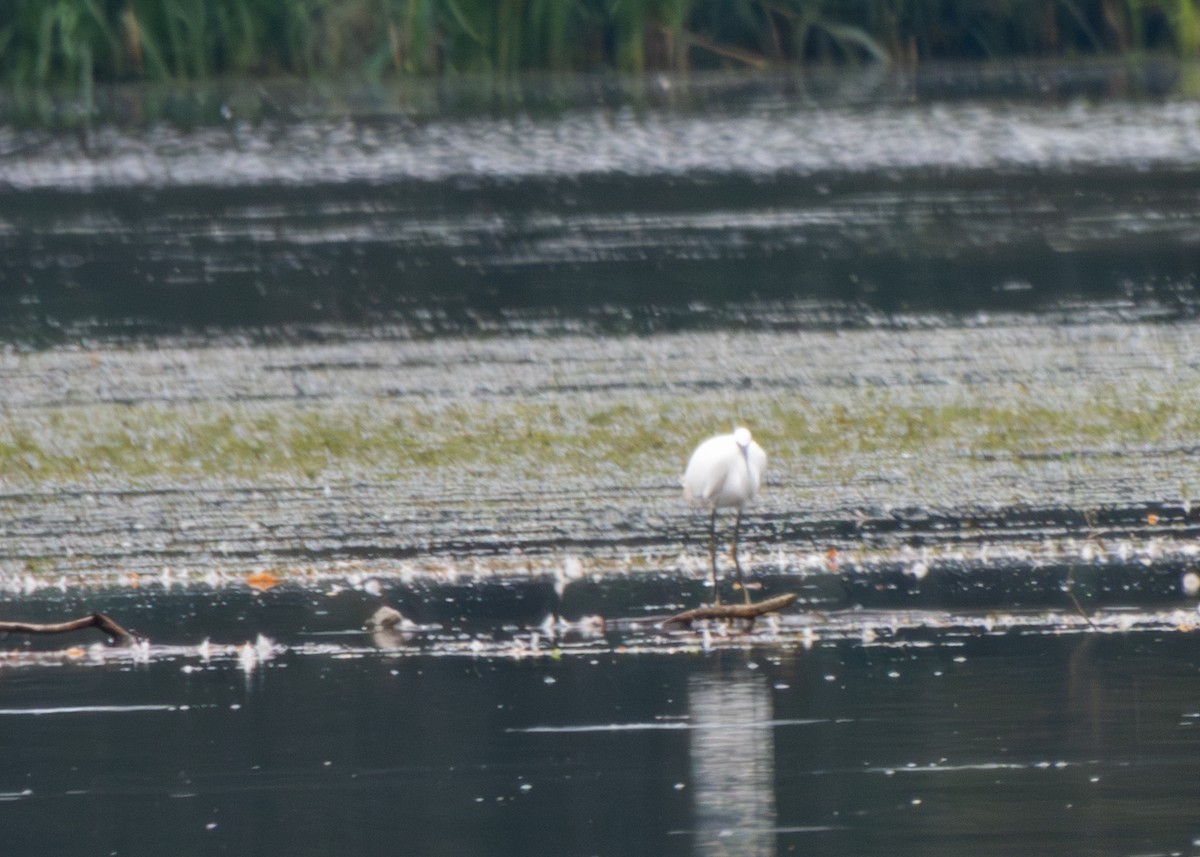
(84, 40)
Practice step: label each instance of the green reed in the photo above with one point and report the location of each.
(78, 41)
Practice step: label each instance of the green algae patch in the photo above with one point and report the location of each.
(585, 439)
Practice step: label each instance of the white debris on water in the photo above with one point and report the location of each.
(765, 136)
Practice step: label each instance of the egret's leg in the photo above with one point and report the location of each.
(737, 523)
(712, 554)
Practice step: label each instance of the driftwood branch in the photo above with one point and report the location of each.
(749, 612)
(96, 620)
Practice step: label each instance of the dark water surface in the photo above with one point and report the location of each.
(1025, 739)
(598, 205)
(274, 358)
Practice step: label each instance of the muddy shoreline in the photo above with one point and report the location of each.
(971, 446)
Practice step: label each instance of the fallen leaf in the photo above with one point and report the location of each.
(262, 581)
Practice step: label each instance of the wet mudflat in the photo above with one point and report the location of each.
(969, 445)
(273, 362)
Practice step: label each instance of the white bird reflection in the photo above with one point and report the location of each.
(733, 765)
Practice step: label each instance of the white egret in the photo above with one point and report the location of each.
(725, 471)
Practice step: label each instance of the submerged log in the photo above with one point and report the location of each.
(749, 612)
(96, 620)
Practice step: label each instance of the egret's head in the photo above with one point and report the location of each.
(741, 436)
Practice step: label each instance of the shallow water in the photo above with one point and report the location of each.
(275, 359)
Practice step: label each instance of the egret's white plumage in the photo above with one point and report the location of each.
(725, 471)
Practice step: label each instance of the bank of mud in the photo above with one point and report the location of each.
(980, 446)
